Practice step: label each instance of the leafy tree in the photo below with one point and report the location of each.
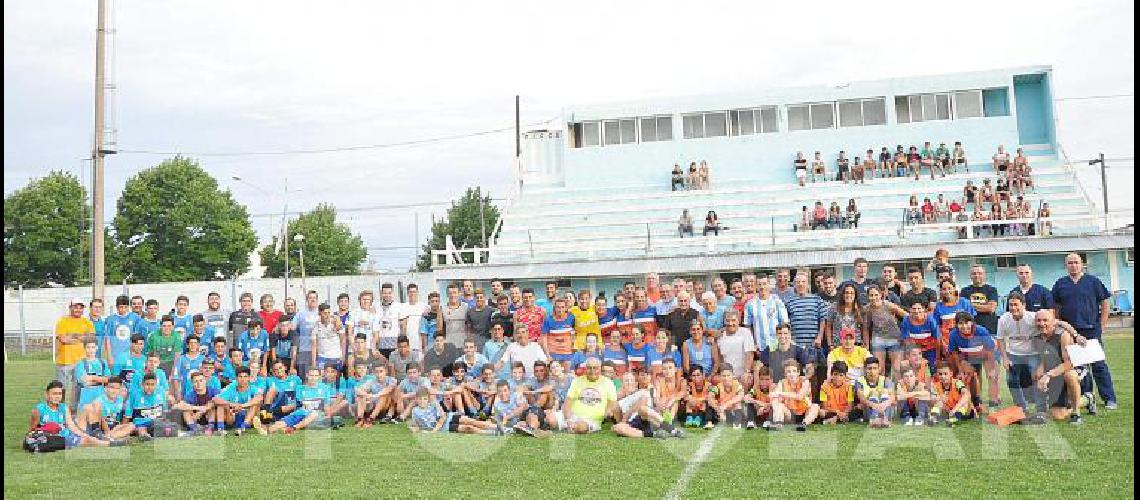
(330, 247)
(45, 228)
(463, 223)
(172, 223)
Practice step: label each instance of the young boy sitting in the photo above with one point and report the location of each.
(408, 389)
(836, 396)
(697, 411)
(758, 402)
(313, 398)
(913, 397)
(428, 416)
(951, 396)
(669, 390)
(376, 398)
(792, 399)
(726, 398)
(875, 394)
(484, 389)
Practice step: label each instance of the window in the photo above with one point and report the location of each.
(591, 134)
(659, 128)
(694, 126)
(1129, 256)
(967, 104)
(619, 132)
(811, 116)
(995, 102)
(648, 130)
(664, 128)
(562, 284)
(922, 107)
(753, 121)
(716, 124)
(858, 113)
(769, 120)
(1005, 262)
(611, 133)
(874, 111)
(705, 125)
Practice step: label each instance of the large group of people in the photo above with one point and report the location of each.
(829, 218)
(652, 358)
(901, 163)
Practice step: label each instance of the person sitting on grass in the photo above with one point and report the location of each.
(53, 417)
(913, 397)
(428, 416)
(638, 418)
(589, 399)
(199, 413)
(105, 417)
(669, 390)
(757, 401)
(314, 398)
(836, 395)
(240, 402)
(148, 405)
(951, 397)
(791, 400)
(972, 347)
(876, 394)
(376, 398)
(726, 398)
(510, 410)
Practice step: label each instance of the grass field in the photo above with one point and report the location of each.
(971, 460)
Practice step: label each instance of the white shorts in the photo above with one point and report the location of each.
(801, 173)
(629, 401)
(564, 424)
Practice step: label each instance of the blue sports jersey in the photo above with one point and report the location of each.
(58, 416)
(100, 334)
(944, 313)
(637, 356)
(503, 408)
(145, 408)
(129, 366)
(655, 357)
(253, 347)
(407, 386)
(549, 324)
(187, 364)
(287, 385)
(213, 384)
(146, 327)
(925, 335)
(347, 388)
(97, 367)
(426, 418)
(162, 383)
(183, 326)
(118, 329)
(618, 358)
(196, 399)
(974, 347)
(314, 398)
(112, 410)
(232, 394)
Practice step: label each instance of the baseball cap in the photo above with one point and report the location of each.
(76, 300)
(847, 333)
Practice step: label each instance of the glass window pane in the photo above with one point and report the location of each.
(850, 114)
(716, 124)
(648, 130)
(628, 131)
(902, 109)
(995, 102)
(798, 118)
(968, 104)
(769, 120)
(822, 116)
(943, 106)
(734, 122)
(874, 112)
(747, 122)
(665, 128)
(929, 107)
(915, 103)
(610, 131)
(590, 134)
(694, 127)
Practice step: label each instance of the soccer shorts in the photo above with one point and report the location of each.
(292, 419)
(627, 403)
(562, 358)
(564, 423)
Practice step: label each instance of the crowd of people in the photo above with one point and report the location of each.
(698, 178)
(653, 358)
(901, 163)
(829, 218)
(712, 224)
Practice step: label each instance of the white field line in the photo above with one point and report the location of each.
(694, 463)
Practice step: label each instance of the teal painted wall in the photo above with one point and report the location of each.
(1032, 119)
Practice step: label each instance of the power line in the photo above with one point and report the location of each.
(376, 207)
(333, 149)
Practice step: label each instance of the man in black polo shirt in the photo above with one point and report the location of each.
(919, 293)
(680, 318)
(983, 297)
(504, 317)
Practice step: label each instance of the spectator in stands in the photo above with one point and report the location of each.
(819, 216)
(996, 216)
(958, 214)
(941, 209)
(694, 179)
(980, 215)
(843, 165)
(1002, 190)
(834, 216)
(1044, 226)
(913, 213)
(685, 224)
(678, 177)
(883, 168)
(942, 158)
(818, 167)
(927, 211)
(900, 162)
(986, 194)
(914, 161)
(970, 193)
(801, 167)
(805, 219)
(712, 224)
(958, 158)
(859, 172)
(927, 158)
(1013, 213)
(703, 175)
(1001, 160)
(852, 214)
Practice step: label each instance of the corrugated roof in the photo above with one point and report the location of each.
(730, 262)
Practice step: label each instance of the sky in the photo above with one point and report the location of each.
(222, 77)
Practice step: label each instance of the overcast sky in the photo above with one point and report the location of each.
(202, 77)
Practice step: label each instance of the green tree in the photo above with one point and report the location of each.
(463, 223)
(172, 223)
(45, 228)
(331, 248)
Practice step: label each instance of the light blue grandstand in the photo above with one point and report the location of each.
(593, 203)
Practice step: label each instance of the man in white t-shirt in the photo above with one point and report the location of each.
(411, 312)
(737, 347)
(387, 324)
(524, 351)
(360, 320)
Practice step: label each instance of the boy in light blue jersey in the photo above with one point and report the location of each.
(105, 417)
(509, 406)
(254, 343)
(147, 405)
(348, 385)
(185, 364)
(150, 323)
(117, 332)
(408, 388)
(90, 373)
(240, 401)
(333, 380)
(230, 365)
(471, 358)
(313, 399)
(151, 367)
(218, 353)
(199, 413)
(493, 349)
(484, 389)
(281, 391)
(210, 378)
(428, 416)
(458, 395)
(183, 320)
(376, 398)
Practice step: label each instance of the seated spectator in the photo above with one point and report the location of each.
(678, 177)
(703, 175)
(960, 216)
(996, 216)
(835, 216)
(914, 161)
(927, 211)
(862, 169)
(955, 208)
(805, 219)
(852, 214)
(844, 166)
(913, 212)
(942, 158)
(1002, 191)
(818, 167)
(1026, 211)
(986, 195)
(885, 165)
(926, 158)
(958, 158)
(819, 216)
(693, 179)
(712, 224)
(941, 209)
(1001, 160)
(685, 224)
(900, 162)
(801, 167)
(980, 215)
(970, 193)
(1013, 213)
(1044, 226)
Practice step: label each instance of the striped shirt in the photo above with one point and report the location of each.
(805, 314)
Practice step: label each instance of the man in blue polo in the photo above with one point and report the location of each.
(1036, 296)
(1082, 301)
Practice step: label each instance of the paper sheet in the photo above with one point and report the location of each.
(1089, 353)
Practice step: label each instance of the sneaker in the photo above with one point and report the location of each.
(918, 422)
(1037, 419)
(750, 425)
(950, 421)
(801, 428)
(660, 433)
(736, 426)
(909, 421)
(677, 433)
(774, 427)
(1076, 419)
(524, 429)
(1091, 400)
(1111, 405)
(183, 434)
(709, 426)
(238, 432)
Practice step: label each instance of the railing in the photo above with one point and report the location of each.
(460, 257)
(1068, 165)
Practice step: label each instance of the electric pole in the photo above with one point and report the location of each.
(97, 156)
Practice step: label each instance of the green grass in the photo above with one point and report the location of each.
(1092, 460)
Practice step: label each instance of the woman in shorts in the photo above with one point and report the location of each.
(881, 325)
(801, 167)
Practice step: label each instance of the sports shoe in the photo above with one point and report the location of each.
(239, 431)
(524, 429)
(118, 442)
(950, 421)
(1037, 419)
(918, 422)
(660, 433)
(750, 425)
(801, 428)
(1111, 405)
(766, 424)
(736, 426)
(909, 421)
(1076, 419)
(775, 427)
(1091, 400)
(709, 426)
(183, 434)
(677, 433)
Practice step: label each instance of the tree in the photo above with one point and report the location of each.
(331, 248)
(45, 228)
(172, 223)
(464, 224)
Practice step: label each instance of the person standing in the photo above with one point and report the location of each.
(70, 331)
(269, 316)
(238, 321)
(304, 322)
(362, 319)
(763, 313)
(984, 298)
(455, 318)
(1082, 301)
(478, 320)
(216, 319)
(95, 314)
(387, 325)
(784, 289)
(412, 312)
(1037, 297)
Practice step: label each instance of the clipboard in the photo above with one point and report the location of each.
(1091, 352)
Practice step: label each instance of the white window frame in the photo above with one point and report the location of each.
(621, 139)
(598, 136)
(704, 125)
(862, 111)
(757, 120)
(922, 106)
(999, 259)
(954, 104)
(811, 121)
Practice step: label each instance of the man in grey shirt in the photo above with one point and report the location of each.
(305, 320)
(1019, 342)
(216, 319)
(454, 319)
(238, 321)
(402, 357)
(479, 319)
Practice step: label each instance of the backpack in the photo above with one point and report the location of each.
(39, 441)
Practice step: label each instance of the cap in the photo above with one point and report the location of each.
(76, 300)
(848, 332)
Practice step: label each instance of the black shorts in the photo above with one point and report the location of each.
(453, 423)
(1056, 394)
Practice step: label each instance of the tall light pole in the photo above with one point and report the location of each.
(300, 239)
(1103, 186)
(97, 153)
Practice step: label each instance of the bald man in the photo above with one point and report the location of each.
(1055, 375)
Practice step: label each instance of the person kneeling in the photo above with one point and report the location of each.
(428, 416)
(792, 399)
